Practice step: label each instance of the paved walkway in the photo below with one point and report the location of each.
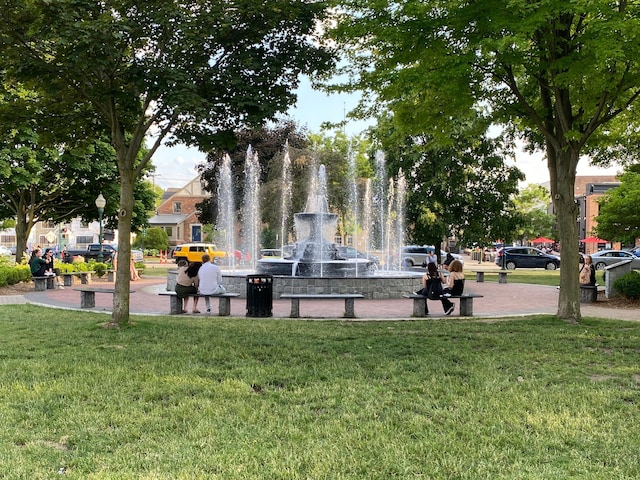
(500, 300)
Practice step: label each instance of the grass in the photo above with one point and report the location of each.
(201, 398)
(533, 276)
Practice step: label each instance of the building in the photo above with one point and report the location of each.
(588, 190)
(177, 213)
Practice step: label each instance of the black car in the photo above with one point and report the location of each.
(526, 257)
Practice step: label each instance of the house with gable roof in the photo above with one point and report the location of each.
(177, 213)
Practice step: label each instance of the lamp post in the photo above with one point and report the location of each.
(100, 203)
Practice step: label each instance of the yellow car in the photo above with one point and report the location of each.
(192, 252)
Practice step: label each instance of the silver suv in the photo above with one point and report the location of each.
(415, 255)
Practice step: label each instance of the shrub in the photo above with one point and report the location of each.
(13, 274)
(628, 285)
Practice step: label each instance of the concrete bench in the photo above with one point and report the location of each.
(349, 301)
(502, 275)
(67, 277)
(466, 303)
(40, 284)
(224, 302)
(588, 293)
(88, 295)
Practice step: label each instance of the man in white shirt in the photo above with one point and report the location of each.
(209, 279)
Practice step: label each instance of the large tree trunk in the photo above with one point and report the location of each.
(562, 170)
(120, 315)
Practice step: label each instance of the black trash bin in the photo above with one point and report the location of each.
(259, 295)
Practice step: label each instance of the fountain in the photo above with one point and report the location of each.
(315, 265)
(315, 255)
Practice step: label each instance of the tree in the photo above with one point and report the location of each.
(554, 73)
(618, 217)
(463, 189)
(154, 238)
(169, 70)
(532, 203)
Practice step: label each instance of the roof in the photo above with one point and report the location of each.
(168, 219)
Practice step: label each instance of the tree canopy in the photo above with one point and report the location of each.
(553, 73)
(619, 216)
(167, 70)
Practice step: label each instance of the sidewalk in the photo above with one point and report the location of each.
(500, 300)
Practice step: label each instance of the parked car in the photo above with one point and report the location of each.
(604, 258)
(6, 251)
(526, 257)
(351, 252)
(192, 252)
(271, 253)
(635, 251)
(413, 255)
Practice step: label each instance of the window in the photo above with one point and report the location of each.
(169, 231)
(177, 207)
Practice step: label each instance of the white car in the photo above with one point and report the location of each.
(604, 258)
(5, 251)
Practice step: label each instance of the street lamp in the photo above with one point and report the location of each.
(100, 203)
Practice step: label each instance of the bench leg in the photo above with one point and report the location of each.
(67, 280)
(224, 306)
(50, 284)
(295, 308)
(349, 308)
(39, 284)
(87, 299)
(175, 305)
(419, 307)
(466, 307)
(85, 278)
(480, 277)
(111, 276)
(502, 277)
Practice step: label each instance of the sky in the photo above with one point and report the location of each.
(176, 166)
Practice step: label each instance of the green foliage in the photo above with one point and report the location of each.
(618, 216)
(153, 238)
(628, 285)
(531, 204)
(13, 274)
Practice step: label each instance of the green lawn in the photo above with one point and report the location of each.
(533, 276)
(201, 398)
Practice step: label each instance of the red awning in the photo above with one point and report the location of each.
(542, 240)
(594, 240)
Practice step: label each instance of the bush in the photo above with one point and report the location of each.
(13, 274)
(629, 285)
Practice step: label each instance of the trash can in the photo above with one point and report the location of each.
(259, 295)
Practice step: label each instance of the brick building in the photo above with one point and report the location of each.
(177, 213)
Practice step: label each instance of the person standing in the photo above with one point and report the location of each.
(210, 280)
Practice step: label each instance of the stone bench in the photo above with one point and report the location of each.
(67, 277)
(588, 293)
(88, 295)
(502, 275)
(224, 302)
(466, 303)
(40, 284)
(349, 301)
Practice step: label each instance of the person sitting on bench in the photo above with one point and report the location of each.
(432, 282)
(454, 286)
